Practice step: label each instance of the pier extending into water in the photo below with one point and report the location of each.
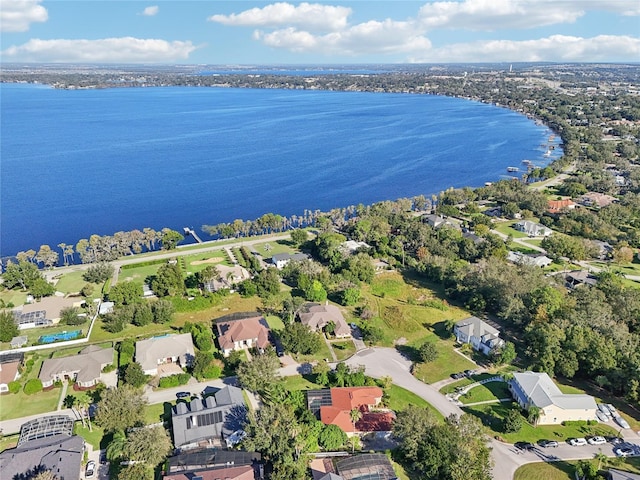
(190, 231)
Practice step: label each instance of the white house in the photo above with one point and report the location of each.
(535, 389)
(538, 260)
(532, 229)
(281, 259)
(482, 336)
(166, 349)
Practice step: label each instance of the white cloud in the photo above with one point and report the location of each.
(18, 15)
(150, 11)
(107, 50)
(556, 48)
(309, 16)
(506, 14)
(386, 37)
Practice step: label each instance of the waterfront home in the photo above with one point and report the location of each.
(238, 331)
(282, 259)
(479, 334)
(228, 277)
(45, 312)
(536, 389)
(165, 355)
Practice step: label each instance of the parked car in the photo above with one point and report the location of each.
(614, 440)
(612, 409)
(623, 451)
(602, 417)
(577, 442)
(183, 394)
(353, 325)
(548, 443)
(604, 409)
(621, 421)
(597, 440)
(235, 438)
(524, 446)
(457, 375)
(468, 373)
(90, 470)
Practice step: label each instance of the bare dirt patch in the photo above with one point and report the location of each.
(208, 260)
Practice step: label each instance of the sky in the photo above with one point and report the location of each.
(250, 32)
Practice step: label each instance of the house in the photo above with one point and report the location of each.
(45, 312)
(214, 464)
(536, 389)
(560, 206)
(106, 307)
(333, 406)
(9, 369)
(580, 277)
(436, 221)
(537, 260)
(242, 330)
(317, 317)
(45, 443)
(366, 466)
(532, 229)
(205, 421)
(85, 368)
(482, 336)
(351, 247)
(282, 259)
(156, 353)
(597, 199)
(476, 239)
(228, 278)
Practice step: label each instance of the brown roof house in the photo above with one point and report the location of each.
(9, 369)
(238, 331)
(333, 406)
(85, 368)
(317, 316)
(156, 352)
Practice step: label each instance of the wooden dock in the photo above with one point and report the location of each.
(190, 231)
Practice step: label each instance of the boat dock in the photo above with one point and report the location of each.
(189, 231)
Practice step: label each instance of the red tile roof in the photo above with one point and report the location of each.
(557, 206)
(345, 399)
(242, 330)
(232, 473)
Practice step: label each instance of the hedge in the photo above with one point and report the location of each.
(33, 386)
(14, 387)
(174, 380)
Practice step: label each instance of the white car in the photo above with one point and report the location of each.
(90, 470)
(612, 409)
(577, 442)
(623, 451)
(596, 440)
(235, 438)
(604, 409)
(602, 417)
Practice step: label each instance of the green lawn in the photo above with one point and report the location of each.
(138, 274)
(343, 350)
(448, 362)
(400, 399)
(533, 241)
(488, 391)
(15, 297)
(159, 412)
(22, 405)
(197, 262)
(298, 382)
(10, 441)
(493, 413)
(93, 436)
(506, 228)
(73, 282)
(269, 249)
(275, 322)
(632, 268)
(99, 334)
(565, 470)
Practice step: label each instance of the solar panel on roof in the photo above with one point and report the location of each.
(317, 399)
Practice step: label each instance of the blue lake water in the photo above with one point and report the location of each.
(79, 162)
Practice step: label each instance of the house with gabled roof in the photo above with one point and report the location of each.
(242, 330)
(479, 334)
(84, 368)
(532, 229)
(333, 406)
(282, 259)
(44, 312)
(154, 352)
(537, 389)
(9, 369)
(317, 317)
(560, 206)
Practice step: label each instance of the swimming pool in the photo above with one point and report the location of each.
(55, 337)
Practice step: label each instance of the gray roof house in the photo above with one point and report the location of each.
(204, 421)
(537, 260)
(482, 336)
(317, 316)
(85, 368)
(45, 443)
(536, 389)
(281, 259)
(165, 349)
(532, 229)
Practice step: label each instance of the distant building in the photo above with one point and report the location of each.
(482, 336)
(205, 421)
(532, 229)
(351, 246)
(282, 259)
(580, 277)
(228, 278)
(536, 389)
(154, 353)
(597, 199)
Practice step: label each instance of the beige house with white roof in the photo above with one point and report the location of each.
(166, 349)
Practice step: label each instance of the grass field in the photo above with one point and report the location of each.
(269, 249)
(99, 334)
(138, 274)
(447, 362)
(72, 283)
(400, 399)
(488, 391)
(93, 436)
(493, 413)
(22, 405)
(343, 350)
(565, 470)
(14, 297)
(197, 262)
(507, 229)
(10, 441)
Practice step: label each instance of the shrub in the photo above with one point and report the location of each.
(14, 387)
(32, 386)
(174, 380)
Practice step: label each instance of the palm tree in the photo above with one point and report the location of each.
(533, 415)
(601, 458)
(116, 447)
(84, 401)
(355, 414)
(70, 402)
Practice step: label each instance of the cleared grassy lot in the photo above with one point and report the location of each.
(565, 470)
(138, 274)
(72, 282)
(269, 249)
(197, 262)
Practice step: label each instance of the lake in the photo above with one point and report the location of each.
(82, 162)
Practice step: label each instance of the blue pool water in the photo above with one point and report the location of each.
(55, 337)
(83, 162)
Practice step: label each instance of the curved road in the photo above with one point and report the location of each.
(380, 362)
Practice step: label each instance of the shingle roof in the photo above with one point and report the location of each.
(240, 330)
(317, 316)
(149, 351)
(473, 326)
(88, 363)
